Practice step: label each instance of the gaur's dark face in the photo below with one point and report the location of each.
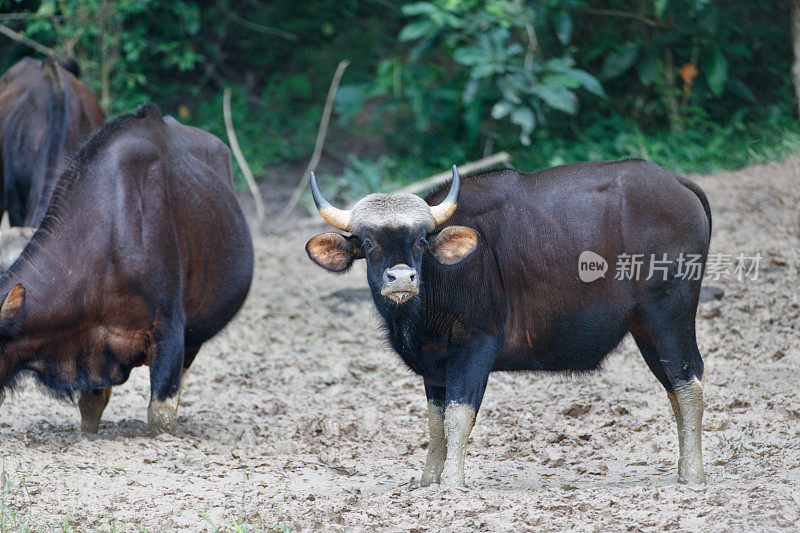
(393, 233)
(394, 260)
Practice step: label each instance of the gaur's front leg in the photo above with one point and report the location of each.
(468, 370)
(166, 373)
(91, 404)
(437, 447)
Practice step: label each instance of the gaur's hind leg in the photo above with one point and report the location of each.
(437, 447)
(670, 349)
(468, 369)
(687, 404)
(166, 373)
(92, 403)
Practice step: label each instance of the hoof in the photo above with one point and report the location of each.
(162, 416)
(89, 426)
(425, 480)
(453, 479)
(91, 405)
(695, 478)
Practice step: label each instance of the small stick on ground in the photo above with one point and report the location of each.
(237, 153)
(322, 131)
(437, 179)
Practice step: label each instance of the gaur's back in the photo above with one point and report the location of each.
(534, 227)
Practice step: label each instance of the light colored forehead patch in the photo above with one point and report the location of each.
(391, 211)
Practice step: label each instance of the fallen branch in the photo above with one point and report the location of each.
(27, 41)
(437, 179)
(237, 153)
(322, 131)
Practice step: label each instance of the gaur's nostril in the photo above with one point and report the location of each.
(399, 276)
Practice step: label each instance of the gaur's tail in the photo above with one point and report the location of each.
(692, 186)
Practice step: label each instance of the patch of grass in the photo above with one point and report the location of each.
(13, 519)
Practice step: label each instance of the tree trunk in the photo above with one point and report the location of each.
(675, 117)
(796, 49)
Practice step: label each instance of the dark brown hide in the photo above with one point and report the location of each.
(45, 114)
(143, 255)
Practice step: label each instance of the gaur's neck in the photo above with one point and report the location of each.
(55, 301)
(53, 287)
(403, 324)
(408, 327)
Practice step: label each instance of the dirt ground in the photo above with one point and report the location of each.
(299, 417)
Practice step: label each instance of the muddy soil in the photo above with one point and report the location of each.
(298, 416)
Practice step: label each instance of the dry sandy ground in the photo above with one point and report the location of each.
(298, 417)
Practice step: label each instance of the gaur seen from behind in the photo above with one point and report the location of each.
(494, 285)
(143, 255)
(46, 112)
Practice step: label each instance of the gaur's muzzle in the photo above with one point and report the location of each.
(400, 283)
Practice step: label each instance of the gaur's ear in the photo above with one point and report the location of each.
(453, 244)
(334, 252)
(12, 310)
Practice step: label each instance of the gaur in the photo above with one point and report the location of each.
(142, 256)
(494, 285)
(46, 113)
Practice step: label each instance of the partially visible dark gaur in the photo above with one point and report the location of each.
(45, 114)
(143, 255)
(495, 285)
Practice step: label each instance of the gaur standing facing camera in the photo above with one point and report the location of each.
(494, 285)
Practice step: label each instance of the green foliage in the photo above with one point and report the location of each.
(502, 68)
(120, 44)
(436, 82)
(749, 137)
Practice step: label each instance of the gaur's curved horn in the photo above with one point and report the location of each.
(338, 218)
(445, 210)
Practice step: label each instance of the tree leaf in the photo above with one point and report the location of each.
(557, 97)
(563, 23)
(349, 101)
(741, 90)
(419, 8)
(620, 60)
(717, 75)
(660, 6)
(588, 82)
(470, 55)
(415, 30)
(46, 9)
(562, 80)
(650, 71)
(526, 120)
(470, 91)
(501, 109)
(484, 70)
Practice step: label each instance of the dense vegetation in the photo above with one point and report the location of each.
(693, 84)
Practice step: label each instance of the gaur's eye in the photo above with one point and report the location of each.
(423, 242)
(368, 245)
